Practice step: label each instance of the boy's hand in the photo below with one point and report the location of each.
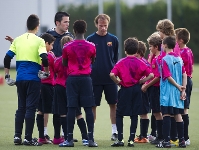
(9, 81)
(183, 95)
(144, 88)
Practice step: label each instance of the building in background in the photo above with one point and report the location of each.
(13, 15)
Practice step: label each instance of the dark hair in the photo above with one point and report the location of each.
(170, 41)
(142, 48)
(59, 15)
(131, 45)
(184, 34)
(80, 26)
(48, 38)
(32, 22)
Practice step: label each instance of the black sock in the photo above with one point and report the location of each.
(90, 122)
(153, 125)
(82, 126)
(56, 125)
(19, 120)
(173, 132)
(29, 128)
(159, 124)
(144, 127)
(71, 121)
(40, 125)
(134, 121)
(180, 128)
(64, 126)
(119, 124)
(166, 128)
(186, 126)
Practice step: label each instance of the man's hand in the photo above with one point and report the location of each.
(43, 75)
(9, 81)
(9, 38)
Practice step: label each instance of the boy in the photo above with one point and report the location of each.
(172, 92)
(183, 37)
(47, 90)
(78, 56)
(130, 70)
(28, 49)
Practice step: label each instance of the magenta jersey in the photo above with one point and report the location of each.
(60, 72)
(50, 80)
(188, 60)
(78, 53)
(165, 69)
(130, 70)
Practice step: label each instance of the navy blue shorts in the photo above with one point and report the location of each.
(110, 92)
(154, 98)
(79, 91)
(188, 93)
(171, 110)
(146, 105)
(46, 98)
(130, 101)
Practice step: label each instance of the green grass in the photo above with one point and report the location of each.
(8, 106)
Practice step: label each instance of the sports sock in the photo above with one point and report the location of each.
(173, 132)
(56, 125)
(114, 128)
(71, 121)
(134, 121)
(64, 126)
(119, 123)
(159, 124)
(40, 125)
(153, 125)
(82, 126)
(180, 128)
(144, 127)
(166, 128)
(186, 126)
(29, 128)
(45, 131)
(90, 122)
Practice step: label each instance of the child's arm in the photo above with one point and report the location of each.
(152, 82)
(114, 78)
(179, 87)
(184, 84)
(150, 76)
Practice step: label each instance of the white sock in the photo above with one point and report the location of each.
(62, 132)
(45, 131)
(114, 128)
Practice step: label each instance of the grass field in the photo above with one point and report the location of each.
(8, 106)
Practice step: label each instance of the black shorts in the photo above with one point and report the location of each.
(46, 98)
(146, 105)
(171, 110)
(110, 92)
(79, 91)
(188, 93)
(130, 101)
(154, 98)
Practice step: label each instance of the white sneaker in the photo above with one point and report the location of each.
(188, 142)
(151, 138)
(85, 142)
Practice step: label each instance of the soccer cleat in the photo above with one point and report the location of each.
(164, 144)
(92, 143)
(182, 144)
(44, 141)
(85, 142)
(188, 142)
(114, 137)
(141, 139)
(67, 144)
(130, 144)
(118, 143)
(151, 138)
(48, 138)
(33, 142)
(156, 141)
(174, 143)
(58, 141)
(17, 141)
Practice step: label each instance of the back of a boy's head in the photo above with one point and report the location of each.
(142, 48)
(48, 38)
(65, 39)
(80, 26)
(170, 41)
(155, 40)
(131, 45)
(32, 22)
(182, 33)
(166, 27)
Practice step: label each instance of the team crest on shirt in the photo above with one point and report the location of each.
(109, 43)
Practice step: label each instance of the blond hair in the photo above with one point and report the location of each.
(65, 39)
(102, 17)
(165, 26)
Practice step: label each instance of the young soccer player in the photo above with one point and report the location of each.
(153, 86)
(183, 37)
(47, 90)
(172, 92)
(28, 49)
(78, 56)
(130, 70)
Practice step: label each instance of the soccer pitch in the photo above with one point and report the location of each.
(8, 106)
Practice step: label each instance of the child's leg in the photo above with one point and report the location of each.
(40, 124)
(46, 116)
(173, 132)
(82, 126)
(185, 118)
(144, 125)
(57, 126)
(134, 121)
(70, 122)
(119, 124)
(180, 127)
(166, 127)
(159, 124)
(153, 125)
(63, 120)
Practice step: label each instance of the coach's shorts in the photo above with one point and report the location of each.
(79, 91)
(130, 101)
(46, 98)
(188, 93)
(171, 110)
(110, 92)
(154, 98)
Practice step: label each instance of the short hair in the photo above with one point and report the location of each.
(155, 40)
(103, 17)
(59, 15)
(184, 34)
(47, 38)
(80, 26)
(166, 27)
(142, 48)
(131, 45)
(170, 41)
(32, 22)
(65, 39)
